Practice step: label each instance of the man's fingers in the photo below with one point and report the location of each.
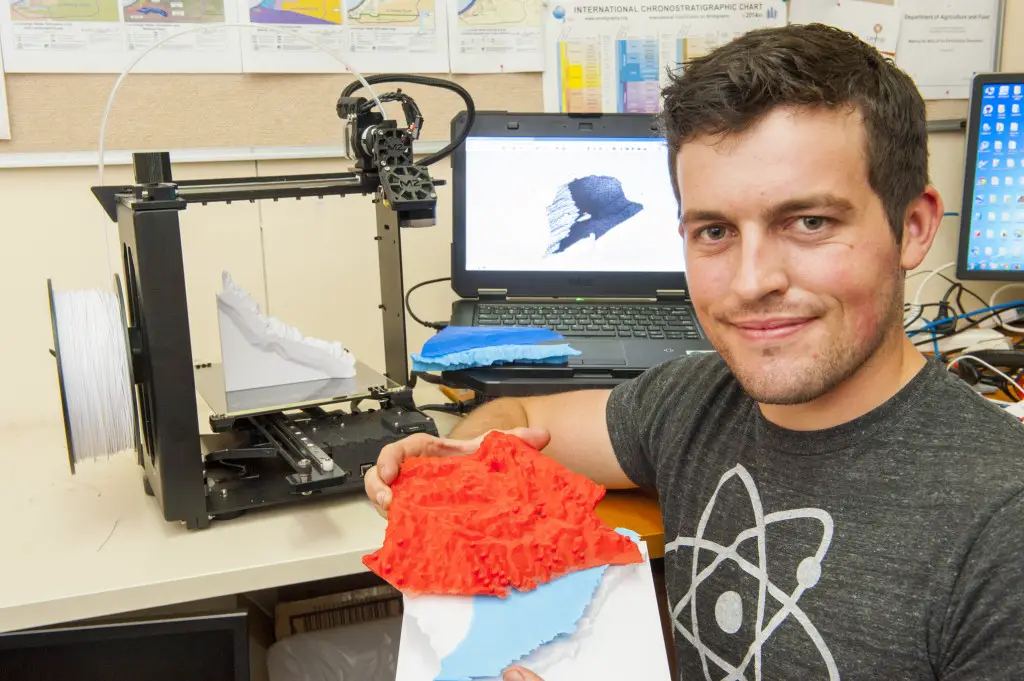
(391, 456)
(381, 476)
(377, 491)
(518, 673)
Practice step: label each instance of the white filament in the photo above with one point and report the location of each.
(94, 365)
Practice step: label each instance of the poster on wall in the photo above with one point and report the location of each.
(372, 36)
(105, 36)
(943, 43)
(872, 22)
(614, 57)
(496, 36)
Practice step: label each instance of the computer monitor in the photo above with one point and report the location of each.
(992, 217)
(194, 648)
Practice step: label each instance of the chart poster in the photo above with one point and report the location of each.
(615, 57)
(106, 36)
(496, 36)
(319, 36)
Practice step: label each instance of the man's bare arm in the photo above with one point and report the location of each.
(575, 421)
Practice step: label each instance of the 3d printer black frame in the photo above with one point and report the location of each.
(169, 444)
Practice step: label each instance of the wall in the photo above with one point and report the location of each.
(312, 263)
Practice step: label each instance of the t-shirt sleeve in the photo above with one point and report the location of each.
(623, 415)
(983, 636)
(655, 407)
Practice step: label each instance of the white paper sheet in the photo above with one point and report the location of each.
(372, 36)
(943, 43)
(872, 22)
(105, 36)
(613, 59)
(496, 36)
(619, 636)
(5, 117)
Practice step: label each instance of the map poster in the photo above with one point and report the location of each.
(403, 36)
(105, 36)
(372, 36)
(496, 36)
(614, 57)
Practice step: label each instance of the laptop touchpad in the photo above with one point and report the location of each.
(607, 352)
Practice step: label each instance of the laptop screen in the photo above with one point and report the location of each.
(570, 205)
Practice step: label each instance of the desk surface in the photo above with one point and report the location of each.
(93, 544)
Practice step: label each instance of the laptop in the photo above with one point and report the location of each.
(569, 222)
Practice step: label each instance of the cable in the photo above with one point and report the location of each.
(430, 325)
(431, 82)
(457, 408)
(933, 273)
(992, 308)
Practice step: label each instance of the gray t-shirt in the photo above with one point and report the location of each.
(887, 548)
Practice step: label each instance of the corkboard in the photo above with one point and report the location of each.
(62, 112)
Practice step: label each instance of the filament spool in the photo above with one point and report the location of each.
(94, 371)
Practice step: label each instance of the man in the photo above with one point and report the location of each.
(835, 505)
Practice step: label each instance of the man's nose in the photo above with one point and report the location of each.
(762, 267)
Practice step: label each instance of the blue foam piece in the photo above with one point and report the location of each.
(489, 356)
(504, 630)
(458, 338)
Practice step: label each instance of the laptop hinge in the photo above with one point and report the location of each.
(492, 293)
(674, 295)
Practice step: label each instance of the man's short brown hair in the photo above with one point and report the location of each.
(729, 90)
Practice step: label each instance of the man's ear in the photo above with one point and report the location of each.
(920, 226)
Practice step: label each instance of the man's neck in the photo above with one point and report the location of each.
(871, 385)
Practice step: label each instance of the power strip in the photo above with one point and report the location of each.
(975, 339)
(1008, 316)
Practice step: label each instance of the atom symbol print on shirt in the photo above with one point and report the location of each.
(724, 563)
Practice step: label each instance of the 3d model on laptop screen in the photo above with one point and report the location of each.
(587, 207)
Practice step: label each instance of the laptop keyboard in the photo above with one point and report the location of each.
(594, 320)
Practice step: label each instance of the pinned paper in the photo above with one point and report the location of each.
(944, 43)
(260, 352)
(874, 23)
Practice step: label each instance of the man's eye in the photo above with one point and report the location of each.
(712, 233)
(812, 223)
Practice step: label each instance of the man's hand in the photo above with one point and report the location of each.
(379, 478)
(518, 673)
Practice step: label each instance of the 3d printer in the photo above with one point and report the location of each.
(272, 445)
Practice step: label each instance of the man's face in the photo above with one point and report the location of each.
(791, 263)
